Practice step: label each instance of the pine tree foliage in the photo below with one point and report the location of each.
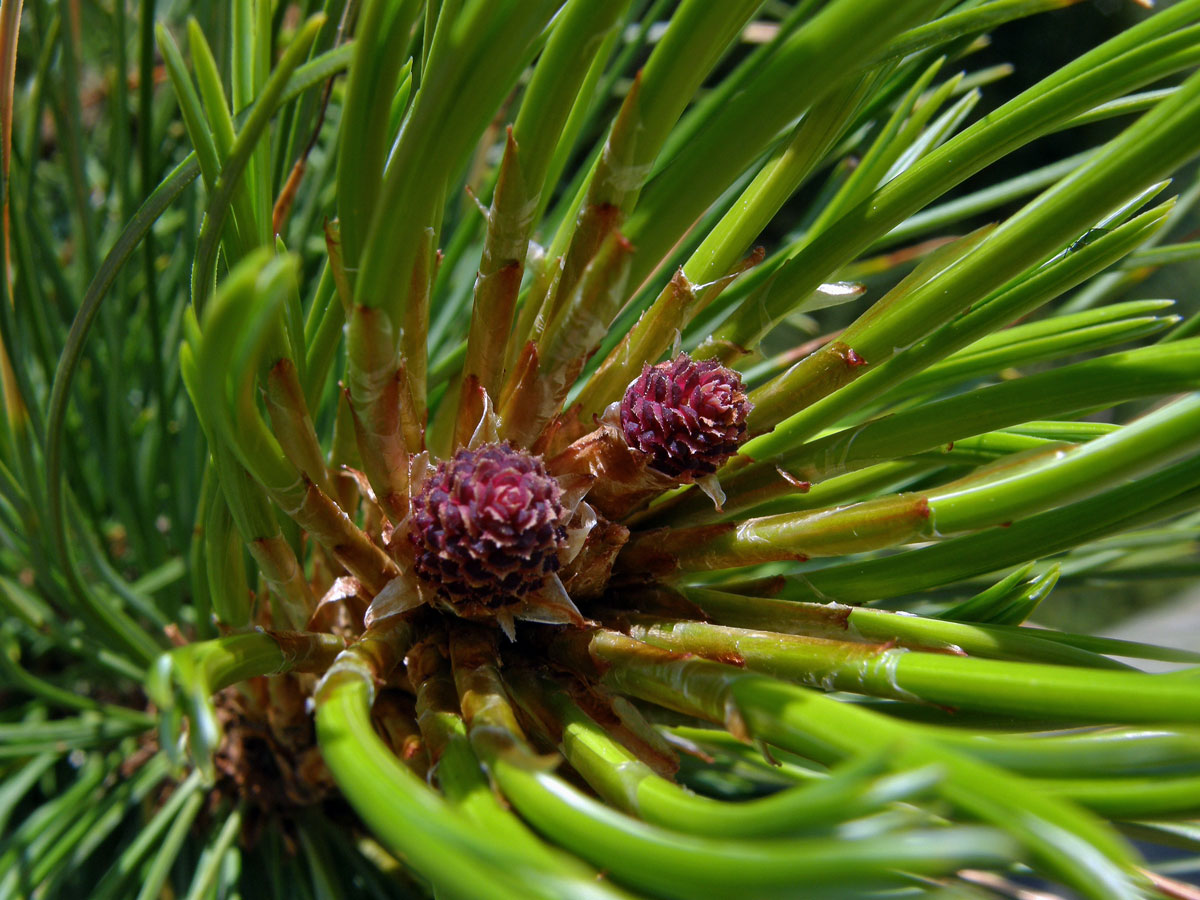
(495, 449)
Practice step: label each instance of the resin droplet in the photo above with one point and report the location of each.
(689, 416)
(488, 526)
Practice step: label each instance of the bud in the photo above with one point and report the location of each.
(688, 416)
(488, 526)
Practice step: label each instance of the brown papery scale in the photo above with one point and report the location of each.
(488, 526)
(688, 416)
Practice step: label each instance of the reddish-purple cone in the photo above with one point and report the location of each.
(487, 526)
(688, 415)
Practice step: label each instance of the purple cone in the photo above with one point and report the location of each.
(487, 526)
(689, 416)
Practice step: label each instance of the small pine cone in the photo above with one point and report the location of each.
(488, 526)
(689, 416)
